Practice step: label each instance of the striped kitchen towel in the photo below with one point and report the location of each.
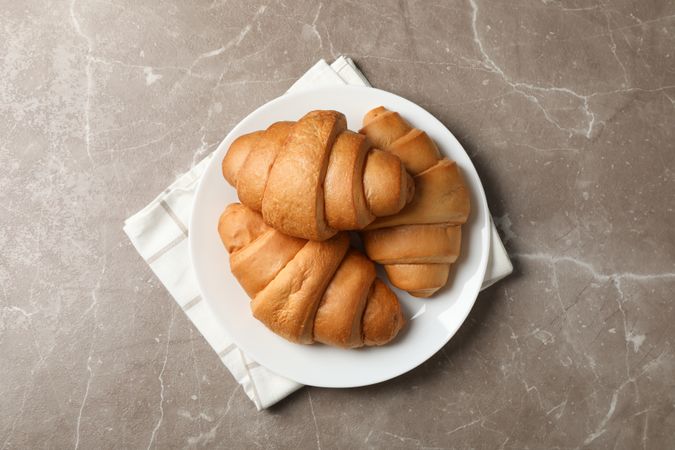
(159, 234)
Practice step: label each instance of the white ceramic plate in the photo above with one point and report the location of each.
(431, 322)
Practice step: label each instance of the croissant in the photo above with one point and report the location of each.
(309, 291)
(313, 177)
(417, 245)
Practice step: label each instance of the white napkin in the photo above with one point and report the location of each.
(159, 233)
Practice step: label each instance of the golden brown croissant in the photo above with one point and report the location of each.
(313, 177)
(417, 245)
(309, 291)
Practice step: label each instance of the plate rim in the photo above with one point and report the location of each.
(486, 239)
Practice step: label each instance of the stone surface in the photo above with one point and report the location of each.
(566, 107)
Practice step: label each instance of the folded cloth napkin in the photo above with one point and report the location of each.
(159, 234)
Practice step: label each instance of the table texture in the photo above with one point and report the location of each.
(567, 109)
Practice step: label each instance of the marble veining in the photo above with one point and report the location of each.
(565, 106)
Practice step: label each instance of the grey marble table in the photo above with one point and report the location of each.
(566, 107)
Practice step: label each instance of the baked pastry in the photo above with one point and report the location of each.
(313, 177)
(309, 291)
(417, 245)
